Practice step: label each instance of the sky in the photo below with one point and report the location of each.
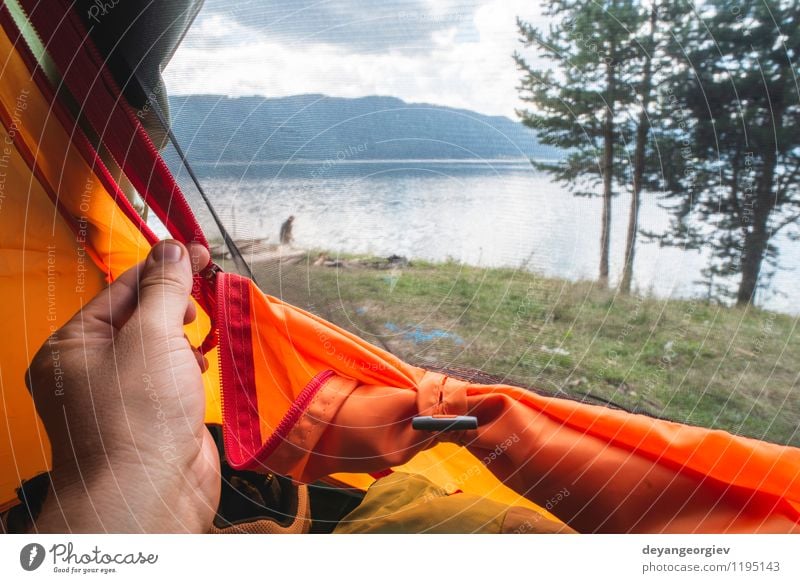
(446, 52)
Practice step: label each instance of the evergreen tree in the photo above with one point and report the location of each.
(733, 182)
(579, 101)
(647, 48)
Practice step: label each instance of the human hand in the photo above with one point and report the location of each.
(130, 450)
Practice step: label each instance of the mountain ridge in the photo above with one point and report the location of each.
(251, 129)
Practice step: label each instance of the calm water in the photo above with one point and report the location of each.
(483, 214)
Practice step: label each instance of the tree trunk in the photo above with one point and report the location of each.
(608, 166)
(642, 130)
(757, 237)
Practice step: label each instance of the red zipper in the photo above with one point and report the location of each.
(299, 406)
(81, 67)
(227, 380)
(242, 432)
(224, 368)
(97, 92)
(93, 86)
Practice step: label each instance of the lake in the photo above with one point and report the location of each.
(484, 213)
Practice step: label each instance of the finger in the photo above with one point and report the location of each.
(191, 313)
(199, 257)
(108, 311)
(202, 361)
(164, 287)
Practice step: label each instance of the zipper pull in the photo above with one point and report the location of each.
(210, 271)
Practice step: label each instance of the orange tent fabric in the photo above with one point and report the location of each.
(306, 399)
(300, 396)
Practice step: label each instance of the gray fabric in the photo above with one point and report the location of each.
(138, 38)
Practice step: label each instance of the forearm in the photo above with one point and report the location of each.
(118, 497)
(92, 496)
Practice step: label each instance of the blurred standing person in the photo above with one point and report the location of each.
(286, 236)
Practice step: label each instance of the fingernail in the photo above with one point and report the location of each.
(168, 252)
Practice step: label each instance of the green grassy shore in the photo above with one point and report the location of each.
(687, 360)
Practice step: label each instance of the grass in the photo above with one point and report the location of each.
(691, 361)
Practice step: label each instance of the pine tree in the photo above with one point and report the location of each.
(733, 182)
(580, 100)
(647, 47)
(657, 45)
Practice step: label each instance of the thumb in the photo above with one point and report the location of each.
(165, 283)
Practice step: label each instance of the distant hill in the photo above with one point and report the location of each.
(215, 128)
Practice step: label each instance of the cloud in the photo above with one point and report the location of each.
(359, 25)
(448, 53)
